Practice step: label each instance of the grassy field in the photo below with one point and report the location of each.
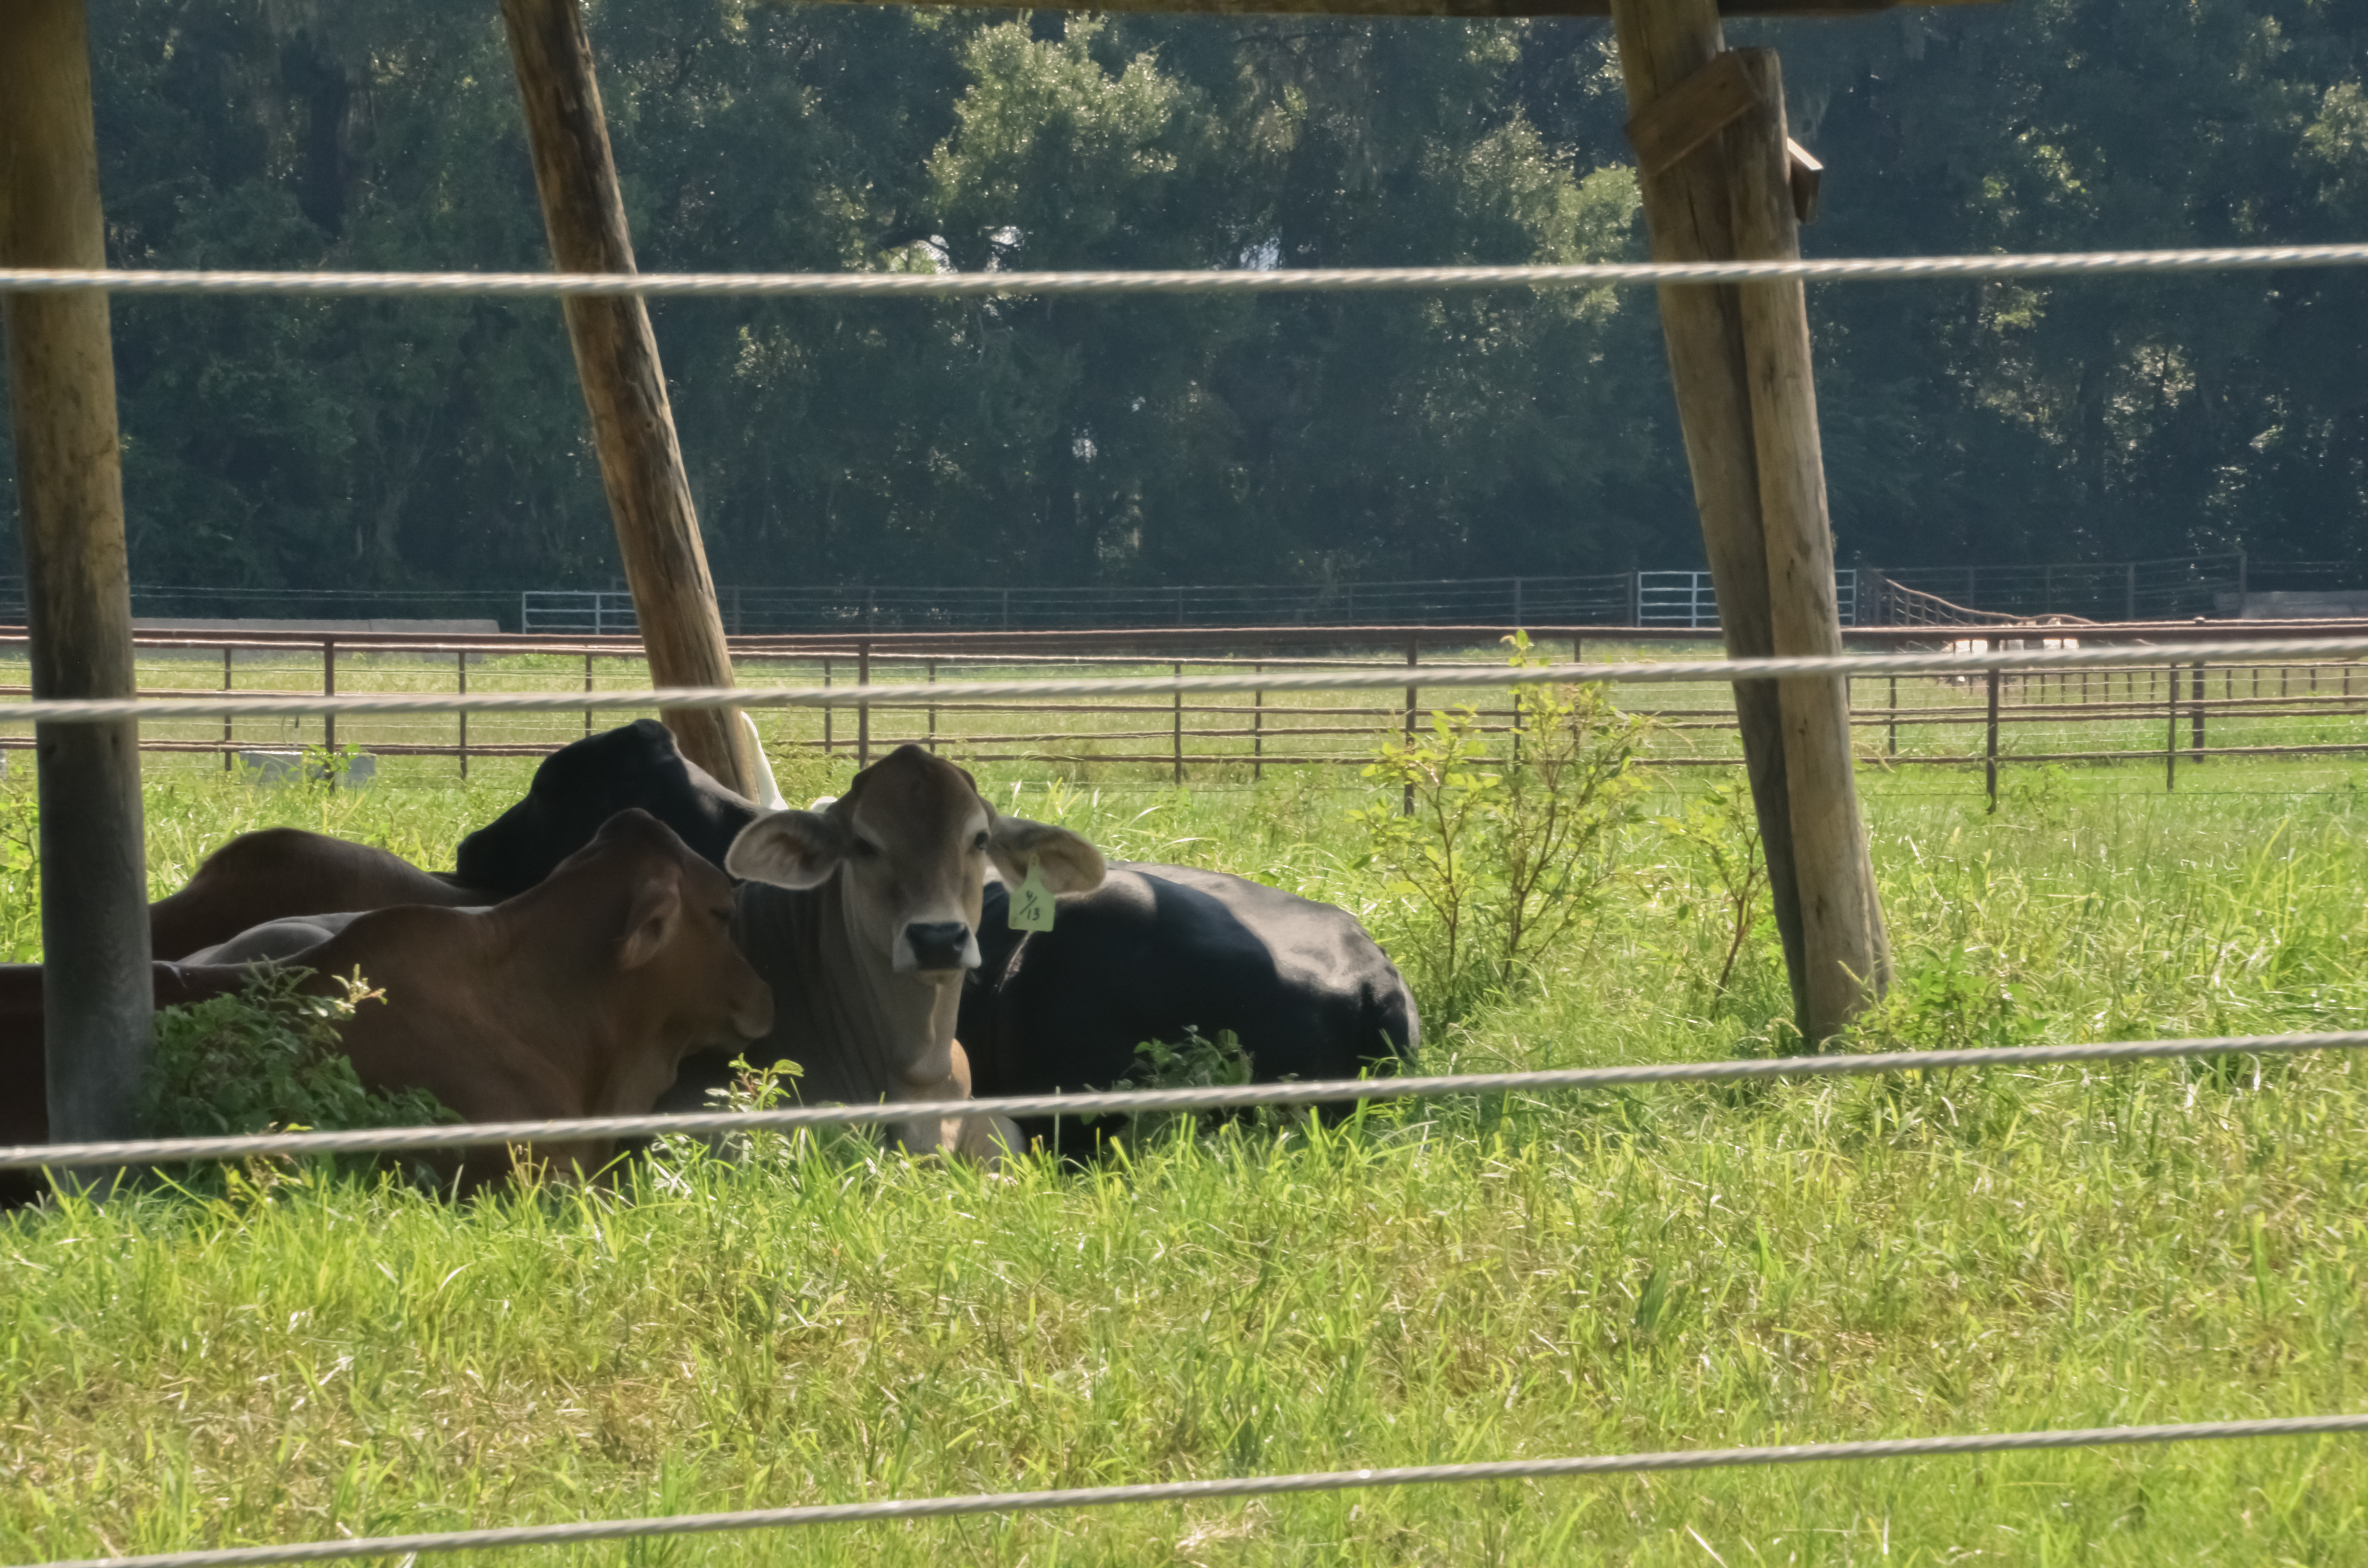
(1662, 1268)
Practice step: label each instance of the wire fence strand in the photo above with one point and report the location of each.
(232, 705)
(1331, 1091)
(1273, 280)
(586, 1530)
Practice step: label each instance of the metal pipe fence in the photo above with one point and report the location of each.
(2183, 710)
(2229, 584)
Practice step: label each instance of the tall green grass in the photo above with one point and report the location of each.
(1466, 1280)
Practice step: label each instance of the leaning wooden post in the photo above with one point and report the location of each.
(1842, 932)
(1665, 49)
(97, 995)
(624, 387)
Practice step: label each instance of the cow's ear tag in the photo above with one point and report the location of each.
(1031, 902)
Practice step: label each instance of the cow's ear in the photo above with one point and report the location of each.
(1071, 863)
(653, 921)
(788, 849)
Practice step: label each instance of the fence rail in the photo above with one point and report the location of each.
(2155, 703)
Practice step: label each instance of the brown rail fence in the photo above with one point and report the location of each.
(2163, 714)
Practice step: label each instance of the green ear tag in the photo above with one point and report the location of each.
(1031, 903)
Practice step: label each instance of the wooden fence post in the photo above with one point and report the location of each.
(863, 710)
(460, 670)
(2195, 692)
(1257, 729)
(827, 747)
(1663, 44)
(98, 998)
(1179, 727)
(1891, 747)
(588, 691)
(1990, 747)
(2170, 741)
(230, 742)
(329, 688)
(933, 711)
(1412, 696)
(1849, 951)
(624, 385)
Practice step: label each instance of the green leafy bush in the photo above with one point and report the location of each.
(1197, 1062)
(1503, 856)
(1721, 828)
(268, 1058)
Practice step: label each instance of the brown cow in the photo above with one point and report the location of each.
(579, 997)
(280, 871)
(864, 917)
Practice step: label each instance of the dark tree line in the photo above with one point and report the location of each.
(414, 443)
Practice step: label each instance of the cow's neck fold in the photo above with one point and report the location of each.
(860, 1031)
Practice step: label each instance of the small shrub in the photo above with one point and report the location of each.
(1945, 1005)
(267, 1058)
(328, 767)
(1195, 1063)
(1505, 857)
(1722, 828)
(752, 1089)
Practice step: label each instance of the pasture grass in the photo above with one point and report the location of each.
(1672, 1267)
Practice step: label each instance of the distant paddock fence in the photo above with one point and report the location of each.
(2169, 715)
(2168, 588)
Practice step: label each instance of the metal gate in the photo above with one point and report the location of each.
(584, 612)
(1686, 598)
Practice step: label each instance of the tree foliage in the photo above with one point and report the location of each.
(417, 443)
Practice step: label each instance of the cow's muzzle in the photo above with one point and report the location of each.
(937, 945)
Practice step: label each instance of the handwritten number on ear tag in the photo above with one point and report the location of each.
(1031, 903)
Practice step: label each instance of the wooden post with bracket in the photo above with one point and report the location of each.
(1720, 182)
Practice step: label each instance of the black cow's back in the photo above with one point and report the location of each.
(585, 783)
(1160, 950)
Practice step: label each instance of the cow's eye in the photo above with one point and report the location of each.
(978, 845)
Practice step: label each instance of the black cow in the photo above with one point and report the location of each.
(1154, 951)
(584, 784)
(1159, 949)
